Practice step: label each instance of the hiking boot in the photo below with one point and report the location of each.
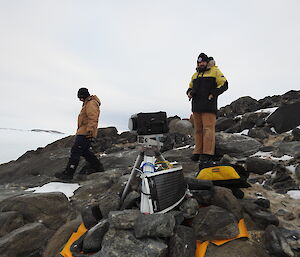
(205, 157)
(93, 166)
(68, 173)
(206, 161)
(65, 175)
(195, 157)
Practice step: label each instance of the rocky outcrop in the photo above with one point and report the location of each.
(116, 228)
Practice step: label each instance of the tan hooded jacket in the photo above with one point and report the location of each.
(89, 116)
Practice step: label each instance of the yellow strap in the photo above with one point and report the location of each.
(201, 248)
(168, 164)
(75, 236)
(243, 233)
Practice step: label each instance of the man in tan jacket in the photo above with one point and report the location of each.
(86, 132)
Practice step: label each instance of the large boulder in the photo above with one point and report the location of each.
(214, 223)
(184, 127)
(289, 148)
(275, 242)
(249, 120)
(285, 118)
(154, 225)
(182, 243)
(224, 198)
(236, 145)
(50, 209)
(224, 123)
(60, 237)
(24, 241)
(259, 166)
(92, 240)
(9, 221)
(245, 104)
(123, 243)
(123, 219)
(260, 133)
(260, 215)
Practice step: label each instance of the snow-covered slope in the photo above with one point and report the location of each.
(15, 142)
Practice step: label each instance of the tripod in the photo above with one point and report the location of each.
(149, 152)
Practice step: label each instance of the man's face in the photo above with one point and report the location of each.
(81, 99)
(202, 64)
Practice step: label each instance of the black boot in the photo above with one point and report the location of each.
(68, 173)
(94, 165)
(195, 157)
(205, 161)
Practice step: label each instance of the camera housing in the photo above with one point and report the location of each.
(150, 123)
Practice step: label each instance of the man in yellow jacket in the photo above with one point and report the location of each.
(86, 132)
(206, 85)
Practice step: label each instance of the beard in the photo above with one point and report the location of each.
(201, 68)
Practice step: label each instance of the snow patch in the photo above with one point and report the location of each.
(268, 155)
(295, 194)
(65, 188)
(244, 132)
(291, 168)
(182, 147)
(268, 110)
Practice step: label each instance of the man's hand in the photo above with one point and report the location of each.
(210, 97)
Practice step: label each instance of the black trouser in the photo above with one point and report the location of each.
(81, 147)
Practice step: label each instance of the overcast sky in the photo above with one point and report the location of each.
(138, 55)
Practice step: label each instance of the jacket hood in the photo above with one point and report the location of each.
(93, 97)
(211, 63)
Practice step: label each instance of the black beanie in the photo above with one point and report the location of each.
(203, 58)
(83, 93)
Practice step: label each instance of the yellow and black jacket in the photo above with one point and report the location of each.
(210, 81)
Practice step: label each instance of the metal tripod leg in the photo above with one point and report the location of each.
(133, 173)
